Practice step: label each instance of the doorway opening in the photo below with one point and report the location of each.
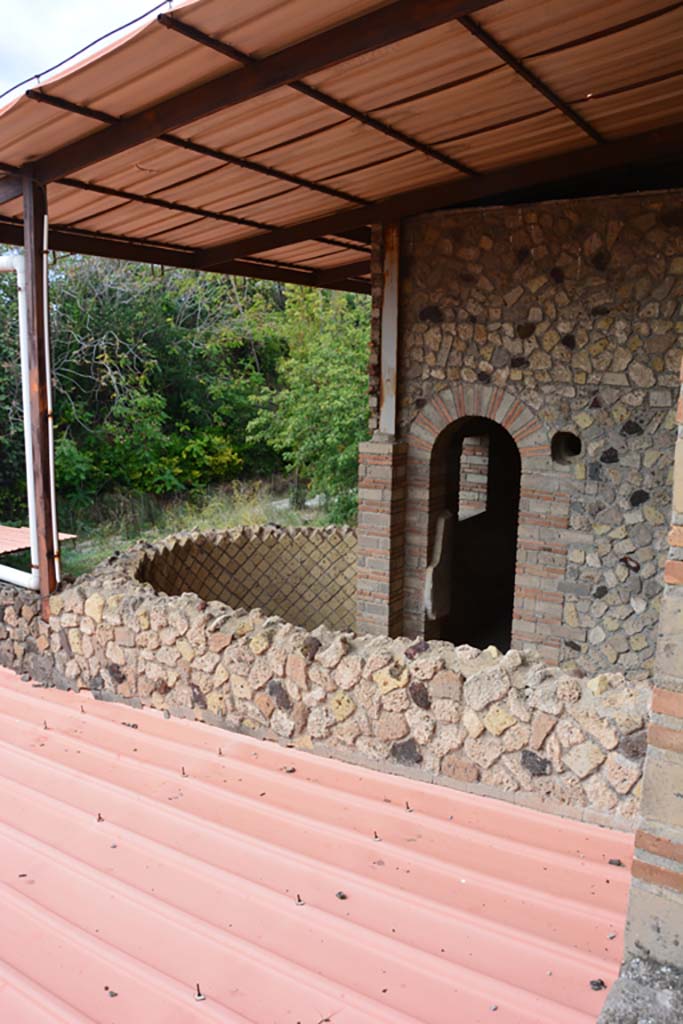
(473, 517)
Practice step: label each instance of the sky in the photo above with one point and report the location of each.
(39, 33)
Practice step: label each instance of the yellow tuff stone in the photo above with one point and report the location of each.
(611, 654)
(598, 684)
(259, 644)
(186, 651)
(387, 680)
(215, 703)
(342, 706)
(241, 687)
(75, 641)
(94, 607)
(472, 723)
(570, 615)
(654, 516)
(498, 719)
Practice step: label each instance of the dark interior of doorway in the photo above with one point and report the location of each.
(484, 543)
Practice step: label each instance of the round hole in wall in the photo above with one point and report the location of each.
(565, 447)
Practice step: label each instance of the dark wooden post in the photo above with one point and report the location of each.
(35, 214)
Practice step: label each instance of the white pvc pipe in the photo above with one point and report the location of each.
(15, 264)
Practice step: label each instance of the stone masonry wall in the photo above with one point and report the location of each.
(506, 725)
(570, 311)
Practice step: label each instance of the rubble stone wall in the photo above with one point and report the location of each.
(507, 725)
(556, 316)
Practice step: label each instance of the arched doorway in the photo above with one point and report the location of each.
(475, 475)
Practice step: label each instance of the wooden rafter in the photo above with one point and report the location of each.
(610, 30)
(348, 111)
(151, 199)
(91, 244)
(193, 147)
(360, 240)
(10, 188)
(645, 147)
(365, 34)
(534, 81)
(357, 269)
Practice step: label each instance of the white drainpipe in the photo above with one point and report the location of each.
(15, 264)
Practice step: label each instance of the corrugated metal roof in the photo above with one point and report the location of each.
(618, 65)
(141, 857)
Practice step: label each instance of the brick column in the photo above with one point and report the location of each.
(382, 461)
(655, 921)
(650, 986)
(381, 536)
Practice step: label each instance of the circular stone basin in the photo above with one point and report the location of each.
(307, 576)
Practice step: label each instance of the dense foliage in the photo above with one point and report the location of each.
(317, 413)
(168, 381)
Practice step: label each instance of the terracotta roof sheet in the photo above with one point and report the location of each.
(18, 538)
(141, 856)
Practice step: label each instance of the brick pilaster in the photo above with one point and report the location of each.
(381, 536)
(655, 918)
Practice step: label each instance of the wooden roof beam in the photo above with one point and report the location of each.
(362, 35)
(360, 237)
(194, 147)
(91, 244)
(190, 32)
(534, 81)
(329, 277)
(198, 212)
(644, 148)
(10, 188)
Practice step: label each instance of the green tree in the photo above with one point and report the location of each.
(159, 373)
(318, 414)
(12, 469)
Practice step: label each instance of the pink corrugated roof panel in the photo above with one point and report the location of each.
(145, 862)
(18, 538)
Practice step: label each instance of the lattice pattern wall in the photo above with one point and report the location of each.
(307, 576)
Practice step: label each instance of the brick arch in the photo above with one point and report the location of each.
(493, 403)
(543, 516)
